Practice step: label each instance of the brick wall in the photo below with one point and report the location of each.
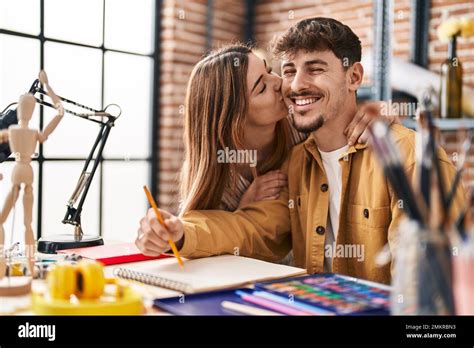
(275, 16)
(401, 40)
(183, 43)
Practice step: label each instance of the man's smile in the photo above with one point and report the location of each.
(305, 103)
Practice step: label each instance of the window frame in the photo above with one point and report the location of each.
(153, 122)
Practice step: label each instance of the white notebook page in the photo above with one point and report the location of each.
(217, 272)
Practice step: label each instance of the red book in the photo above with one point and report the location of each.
(113, 253)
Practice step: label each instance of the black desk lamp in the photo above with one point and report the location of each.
(50, 244)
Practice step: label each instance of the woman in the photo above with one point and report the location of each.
(234, 103)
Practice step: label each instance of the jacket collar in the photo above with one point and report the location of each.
(312, 148)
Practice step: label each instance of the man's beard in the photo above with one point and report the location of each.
(308, 128)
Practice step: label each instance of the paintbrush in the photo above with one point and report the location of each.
(464, 218)
(387, 153)
(424, 159)
(427, 106)
(433, 268)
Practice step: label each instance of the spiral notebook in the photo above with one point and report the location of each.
(206, 274)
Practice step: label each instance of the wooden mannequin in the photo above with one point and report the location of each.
(23, 141)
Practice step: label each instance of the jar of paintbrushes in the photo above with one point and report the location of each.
(422, 281)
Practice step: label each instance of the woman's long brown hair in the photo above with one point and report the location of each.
(215, 115)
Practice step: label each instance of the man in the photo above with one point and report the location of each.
(339, 210)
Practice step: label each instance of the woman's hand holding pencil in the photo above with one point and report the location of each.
(159, 231)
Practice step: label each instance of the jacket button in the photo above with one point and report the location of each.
(320, 230)
(324, 187)
(366, 213)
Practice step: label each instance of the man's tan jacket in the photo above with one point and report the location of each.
(369, 214)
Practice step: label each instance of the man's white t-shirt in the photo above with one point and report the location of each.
(334, 176)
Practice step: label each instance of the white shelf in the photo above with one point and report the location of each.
(445, 124)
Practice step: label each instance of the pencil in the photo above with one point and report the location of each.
(162, 222)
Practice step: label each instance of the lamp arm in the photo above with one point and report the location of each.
(92, 114)
(79, 188)
(73, 215)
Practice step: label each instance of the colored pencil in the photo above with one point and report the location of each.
(271, 305)
(298, 305)
(244, 309)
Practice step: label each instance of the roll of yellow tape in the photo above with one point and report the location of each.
(86, 281)
(90, 279)
(61, 280)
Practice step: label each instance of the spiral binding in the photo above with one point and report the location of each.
(153, 280)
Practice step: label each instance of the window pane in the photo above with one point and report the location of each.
(77, 21)
(20, 15)
(60, 180)
(75, 73)
(17, 213)
(19, 67)
(131, 89)
(124, 200)
(129, 25)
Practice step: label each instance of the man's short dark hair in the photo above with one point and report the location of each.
(320, 34)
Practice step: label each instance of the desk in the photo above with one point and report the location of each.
(18, 305)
